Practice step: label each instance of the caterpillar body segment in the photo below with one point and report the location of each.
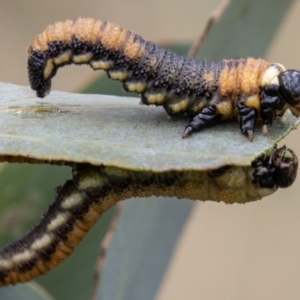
(93, 190)
(210, 92)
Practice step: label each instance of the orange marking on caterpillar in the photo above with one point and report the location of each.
(132, 48)
(81, 27)
(110, 35)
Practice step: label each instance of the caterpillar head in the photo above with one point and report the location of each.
(281, 87)
(289, 90)
(286, 165)
(276, 169)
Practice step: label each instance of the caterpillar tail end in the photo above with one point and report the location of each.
(43, 90)
(36, 69)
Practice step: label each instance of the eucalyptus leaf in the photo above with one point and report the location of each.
(146, 235)
(111, 131)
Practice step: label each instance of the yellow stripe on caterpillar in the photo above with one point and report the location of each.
(101, 64)
(42, 242)
(82, 58)
(21, 257)
(72, 200)
(138, 87)
(59, 220)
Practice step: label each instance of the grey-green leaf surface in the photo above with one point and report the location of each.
(111, 131)
(31, 291)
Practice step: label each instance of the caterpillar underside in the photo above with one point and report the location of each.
(207, 91)
(93, 190)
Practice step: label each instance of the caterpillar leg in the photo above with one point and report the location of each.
(270, 102)
(207, 117)
(248, 117)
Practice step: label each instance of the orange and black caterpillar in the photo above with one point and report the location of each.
(93, 190)
(247, 89)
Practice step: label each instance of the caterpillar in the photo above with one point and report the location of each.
(209, 92)
(80, 202)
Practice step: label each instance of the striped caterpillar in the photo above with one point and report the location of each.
(93, 190)
(209, 92)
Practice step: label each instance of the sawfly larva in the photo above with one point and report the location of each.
(80, 202)
(244, 89)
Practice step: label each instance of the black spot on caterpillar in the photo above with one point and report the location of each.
(247, 89)
(93, 190)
